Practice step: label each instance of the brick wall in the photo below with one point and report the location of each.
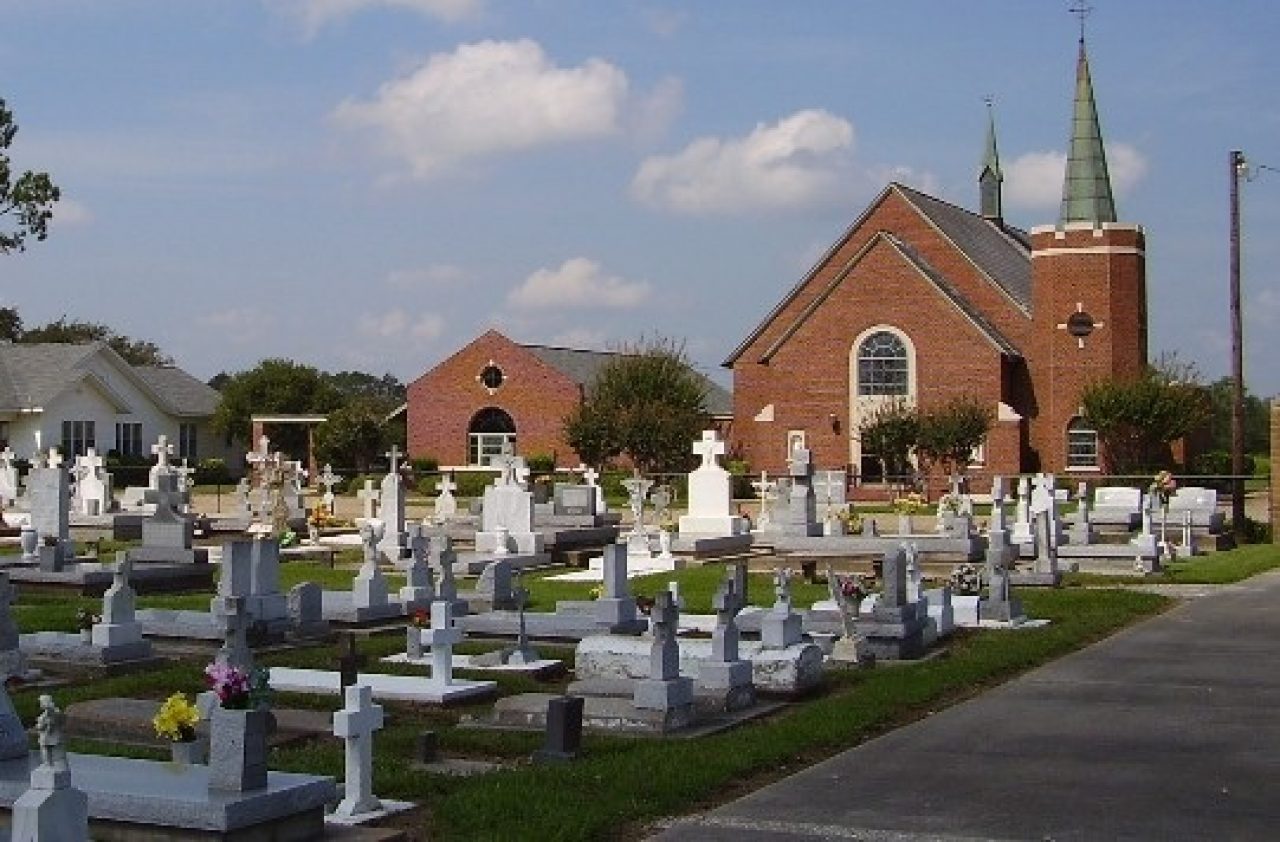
(443, 401)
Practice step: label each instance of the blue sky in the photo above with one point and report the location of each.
(370, 184)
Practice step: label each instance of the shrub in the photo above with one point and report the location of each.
(212, 472)
(472, 483)
(541, 463)
(425, 465)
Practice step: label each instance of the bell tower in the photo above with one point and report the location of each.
(1088, 286)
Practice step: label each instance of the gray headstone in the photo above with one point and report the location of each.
(564, 730)
(355, 725)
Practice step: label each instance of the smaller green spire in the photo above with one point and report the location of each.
(1086, 191)
(989, 176)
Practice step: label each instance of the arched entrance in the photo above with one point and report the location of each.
(490, 429)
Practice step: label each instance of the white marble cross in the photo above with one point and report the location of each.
(90, 461)
(355, 725)
(506, 464)
(162, 450)
(590, 475)
(446, 485)
(442, 637)
(370, 497)
(55, 458)
(708, 447)
(6, 456)
(328, 478)
(393, 455)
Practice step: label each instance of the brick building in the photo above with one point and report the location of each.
(493, 390)
(920, 301)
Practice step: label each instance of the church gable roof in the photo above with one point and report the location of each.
(1001, 253)
(948, 291)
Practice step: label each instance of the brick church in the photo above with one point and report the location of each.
(921, 301)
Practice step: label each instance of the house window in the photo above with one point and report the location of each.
(187, 441)
(129, 439)
(77, 438)
(1082, 444)
(490, 430)
(884, 367)
(4, 434)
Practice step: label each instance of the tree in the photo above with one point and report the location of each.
(274, 386)
(889, 434)
(10, 324)
(949, 434)
(28, 200)
(1138, 417)
(134, 351)
(1257, 419)
(387, 390)
(355, 434)
(648, 404)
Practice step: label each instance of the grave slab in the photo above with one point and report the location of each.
(399, 688)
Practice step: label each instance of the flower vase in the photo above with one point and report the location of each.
(29, 541)
(413, 642)
(905, 527)
(238, 749)
(187, 752)
(313, 534)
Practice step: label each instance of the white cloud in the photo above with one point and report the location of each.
(577, 283)
(313, 15)
(484, 99)
(796, 162)
(70, 212)
(1034, 180)
(428, 277)
(656, 111)
(399, 324)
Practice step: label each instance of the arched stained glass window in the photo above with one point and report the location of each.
(884, 366)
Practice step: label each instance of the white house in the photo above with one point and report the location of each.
(85, 395)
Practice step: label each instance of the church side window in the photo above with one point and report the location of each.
(77, 437)
(883, 365)
(491, 430)
(1082, 444)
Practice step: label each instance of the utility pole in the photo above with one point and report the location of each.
(1239, 168)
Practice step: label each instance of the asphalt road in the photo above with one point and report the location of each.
(1168, 730)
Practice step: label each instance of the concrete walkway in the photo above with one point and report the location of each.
(1168, 730)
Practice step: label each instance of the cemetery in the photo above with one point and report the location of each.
(439, 648)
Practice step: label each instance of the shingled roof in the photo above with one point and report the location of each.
(180, 393)
(1001, 252)
(583, 367)
(33, 375)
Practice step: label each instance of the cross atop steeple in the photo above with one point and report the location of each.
(1081, 9)
(1086, 190)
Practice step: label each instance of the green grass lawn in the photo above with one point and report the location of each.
(1212, 569)
(620, 784)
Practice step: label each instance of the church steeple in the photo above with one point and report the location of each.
(989, 176)
(1086, 192)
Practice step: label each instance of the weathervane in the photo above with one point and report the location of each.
(1081, 9)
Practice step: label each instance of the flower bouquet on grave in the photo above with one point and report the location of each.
(1162, 487)
(421, 618)
(644, 604)
(596, 591)
(949, 504)
(851, 519)
(965, 580)
(854, 588)
(238, 689)
(85, 619)
(176, 720)
(909, 504)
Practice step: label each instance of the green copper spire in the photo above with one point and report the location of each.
(989, 175)
(1086, 193)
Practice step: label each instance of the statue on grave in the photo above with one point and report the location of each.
(49, 726)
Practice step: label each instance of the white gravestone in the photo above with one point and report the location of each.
(710, 503)
(446, 503)
(355, 725)
(52, 809)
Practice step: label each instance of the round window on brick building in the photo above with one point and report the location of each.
(489, 431)
(491, 377)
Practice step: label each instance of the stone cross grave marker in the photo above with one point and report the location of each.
(637, 487)
(369, 497)
(446, 503)
(708, 448)
(442, 637)
(55, 458)
(369, 587)
(355, 725)
(234, 620)
(349, 661)
(328, 479)
(664, 654)
(162, 450)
